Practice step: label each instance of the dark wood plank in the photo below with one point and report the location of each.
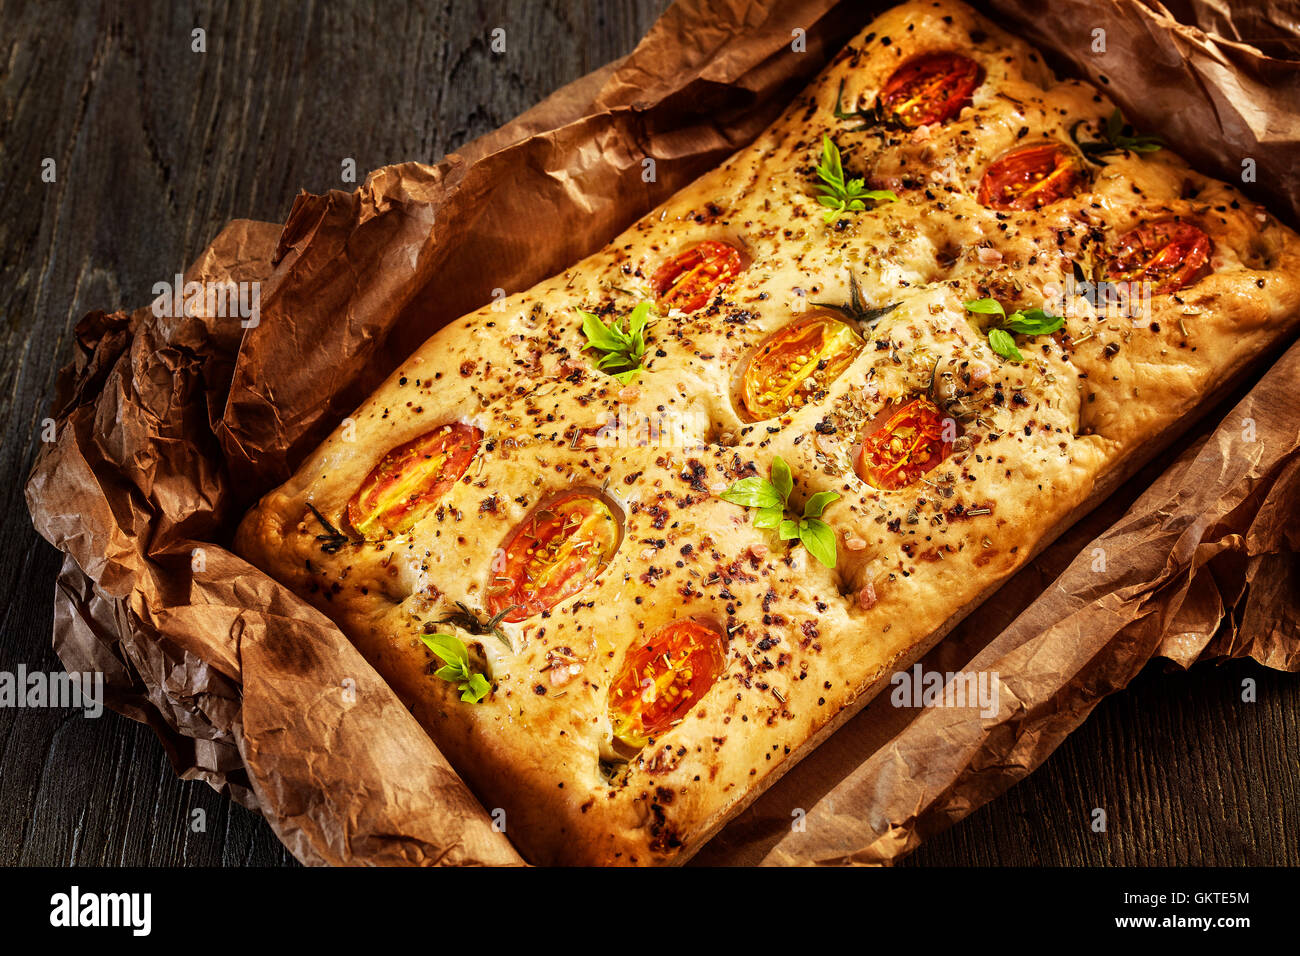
(1187, 773)
(158, 147)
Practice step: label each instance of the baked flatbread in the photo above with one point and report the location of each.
(640, 659)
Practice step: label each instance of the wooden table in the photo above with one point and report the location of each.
(156, 147)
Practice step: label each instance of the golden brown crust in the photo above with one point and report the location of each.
(1041, 437)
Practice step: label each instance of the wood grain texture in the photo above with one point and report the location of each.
(156, 147)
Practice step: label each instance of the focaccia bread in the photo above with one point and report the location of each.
(652, 656)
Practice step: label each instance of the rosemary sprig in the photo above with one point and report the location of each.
(471, 622)
(838, 194)
(333, 539)
(1116, 136)
(856, 308)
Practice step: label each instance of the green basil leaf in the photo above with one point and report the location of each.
(831, 170)
(1033, 322)
(597, 332)
(840, 196)
(622, 350)
(782, 480)
(986, 307)
(448, 647)
(768, 517)
(623, 337)
(819, 538)
(1000, 341)
(753, 492)
(789, 530)
(474, 689)
(452, 672)
(639, 318)
(815, 505)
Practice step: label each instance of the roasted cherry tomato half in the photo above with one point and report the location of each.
(931, 88)
(661, 680)
(411, 479)
(1167, 253)
(905, 447)
(798, 363)
(554, 554)
(1031, 177)
(688, 280)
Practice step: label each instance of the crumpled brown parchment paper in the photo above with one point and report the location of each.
(169, 427)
